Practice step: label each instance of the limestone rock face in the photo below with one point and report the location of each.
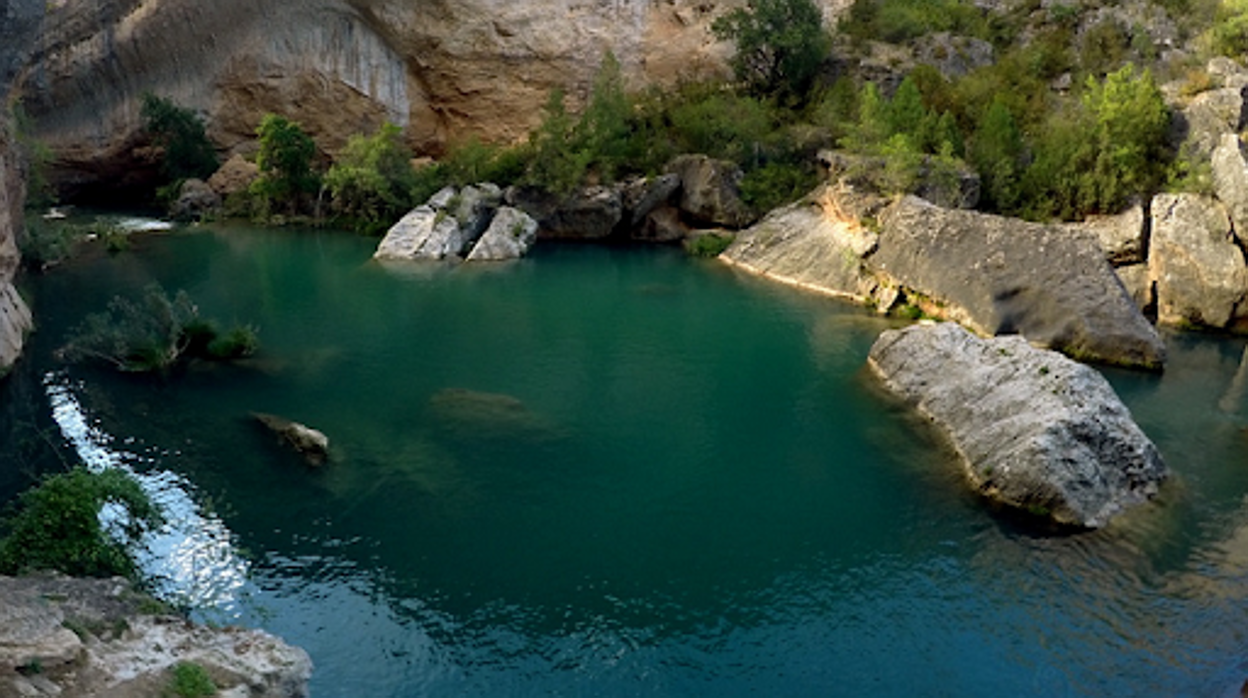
(709, 191)
(1230, 180)
(1033, 429)
(813, 244)
(510, 235)
(1199, 272)
(1001, 276)
(441, 70)
(421, 234)
(15, 320)
(124, 652)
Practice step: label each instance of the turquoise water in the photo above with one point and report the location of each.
(614, 472)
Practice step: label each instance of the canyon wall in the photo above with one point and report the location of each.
(442, 69)
(19, 20)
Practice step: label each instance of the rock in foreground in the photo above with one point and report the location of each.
(74, 638)
(1035, 430)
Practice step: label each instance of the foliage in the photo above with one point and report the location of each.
(722, 125)
(190, 680)
(776, 184)
(557, 164)
(371, 183)
(900, 21)
(180, 133)
(708, 244)
(285, 162)
(1228, 36)
(44, 243)
(781, 46)
(56, 525)
(997, 153)
(154, 334)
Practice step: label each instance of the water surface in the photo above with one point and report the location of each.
(615, 472)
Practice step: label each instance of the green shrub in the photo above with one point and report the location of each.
(900, 21)
(285, 162)
(44, 243)
(180, 133)
(776, 184)
(781, 46)
(190, 680)
(371, 182)
(708, 244)
(56, 525)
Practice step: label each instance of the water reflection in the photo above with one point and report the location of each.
(190, 561)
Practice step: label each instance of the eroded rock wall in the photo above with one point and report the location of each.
(19, 20)
(443, 70)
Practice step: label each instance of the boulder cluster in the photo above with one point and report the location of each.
(485, 223)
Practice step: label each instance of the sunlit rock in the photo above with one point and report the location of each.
(510, 235)
(1033, 429)
(1199, 273)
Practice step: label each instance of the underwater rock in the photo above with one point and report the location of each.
(470, 415)
(1034, 429)
(310, 443)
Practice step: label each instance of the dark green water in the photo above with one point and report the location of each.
(620, 472)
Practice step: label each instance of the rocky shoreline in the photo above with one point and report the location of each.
(101, 638)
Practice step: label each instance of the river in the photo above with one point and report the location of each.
(610, 471)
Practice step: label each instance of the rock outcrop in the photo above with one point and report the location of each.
(86, 638)
(1033, 429)
(1198, 271)
(995, 275)
(469, 223)
(18, 21)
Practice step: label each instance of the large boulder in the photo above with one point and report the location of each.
(1230, 180)
(1198, 271)
(590, 213)
(510, 235)
(422, 234)
(234, 176)
(195, 199)
(815, 243)
(710, 191)
(1003, 276)
(1033, 429)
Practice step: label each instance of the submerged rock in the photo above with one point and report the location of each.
(472, 415)
(118, 648)
(308, 442)
(1034, 429)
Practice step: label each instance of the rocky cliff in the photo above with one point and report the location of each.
(18, 21)
(441, 69)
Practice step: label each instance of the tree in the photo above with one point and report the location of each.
(181, 134)
(1132, 120)
(781, 45)
(997, 153)
(373, 178)
(285, 162)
